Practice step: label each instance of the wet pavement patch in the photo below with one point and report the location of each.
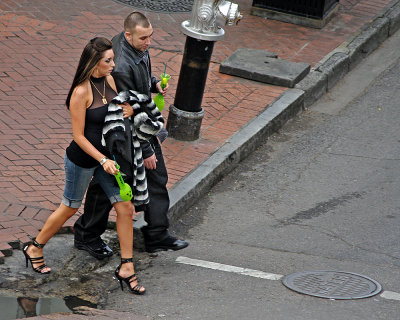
(24, 307)
(336, 285)
(321, 208)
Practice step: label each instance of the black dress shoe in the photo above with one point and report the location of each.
(98, 248)
(169, 243)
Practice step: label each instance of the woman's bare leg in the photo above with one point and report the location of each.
(53, 223)
(125, 212)
(125, 227)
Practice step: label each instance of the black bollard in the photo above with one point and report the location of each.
(202, 30)
(193, 75)
(186, 114)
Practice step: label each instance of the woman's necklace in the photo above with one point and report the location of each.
(103, 96)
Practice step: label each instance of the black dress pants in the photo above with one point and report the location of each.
(93, 222)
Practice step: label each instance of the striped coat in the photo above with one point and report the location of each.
(147, 121)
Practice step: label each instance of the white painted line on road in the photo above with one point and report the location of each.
(390, 295)
(228, 268)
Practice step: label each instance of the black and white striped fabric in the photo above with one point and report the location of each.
(147, 122)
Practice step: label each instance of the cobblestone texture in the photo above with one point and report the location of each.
(171, 6)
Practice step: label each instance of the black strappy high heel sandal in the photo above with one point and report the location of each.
(35, 260)
(136, 289)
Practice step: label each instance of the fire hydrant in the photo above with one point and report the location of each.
(202, 31)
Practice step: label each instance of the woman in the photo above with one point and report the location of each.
(92, 88)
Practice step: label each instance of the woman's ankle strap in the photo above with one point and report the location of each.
(126, 260)
(37, 244)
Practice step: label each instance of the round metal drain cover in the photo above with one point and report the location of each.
(332, 284)
(160, 5)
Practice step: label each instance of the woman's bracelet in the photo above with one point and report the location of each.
(103, 160)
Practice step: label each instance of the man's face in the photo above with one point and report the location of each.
(140, 37)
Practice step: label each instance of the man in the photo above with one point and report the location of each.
(132, 72)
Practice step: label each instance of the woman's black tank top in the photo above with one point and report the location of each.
(94, 120)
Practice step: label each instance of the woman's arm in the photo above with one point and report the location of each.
(78, 104)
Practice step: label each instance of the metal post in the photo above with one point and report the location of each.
(186, 114)
(193, 75)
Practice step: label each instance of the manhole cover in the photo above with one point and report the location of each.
(160, 5)
(332, 284)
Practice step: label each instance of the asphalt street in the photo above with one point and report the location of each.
(321, 194)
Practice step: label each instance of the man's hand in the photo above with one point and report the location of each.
(127, 110)
(160, 90)
(150, 162)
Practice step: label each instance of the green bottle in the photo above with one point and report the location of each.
(125, 190)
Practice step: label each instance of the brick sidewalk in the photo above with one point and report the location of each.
(86, 313)
(40, 44)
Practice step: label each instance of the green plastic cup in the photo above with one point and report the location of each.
(164, 79)
(159, 98)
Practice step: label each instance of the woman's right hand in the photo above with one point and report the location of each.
(127, 110)
(109, 167)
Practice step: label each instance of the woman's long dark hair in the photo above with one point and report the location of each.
(91, 55)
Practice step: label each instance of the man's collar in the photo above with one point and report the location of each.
(140, 54)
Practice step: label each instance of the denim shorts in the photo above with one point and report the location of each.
(77, 180)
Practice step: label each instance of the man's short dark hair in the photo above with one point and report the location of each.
(136, 19)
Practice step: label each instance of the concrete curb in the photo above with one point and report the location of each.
(238, 147)
(344, 58)
(188, 190)
(318, 82)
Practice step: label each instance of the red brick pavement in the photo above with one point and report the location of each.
(40, 43)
